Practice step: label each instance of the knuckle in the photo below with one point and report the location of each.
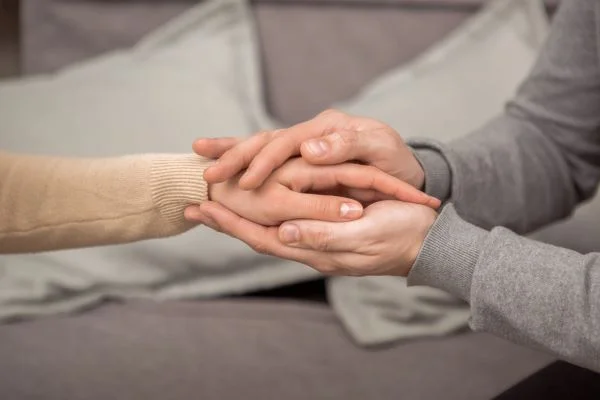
(268, 136)
(330, 112)
(346, 138)
(372, 170)
(236, 153)
(263, 135)
(322, 239)
(320, 266)
(260, 247)
(281, 139)
(353, 272)
(279, 202)
(326, 268)
(296, 185)
(333, 118)
(387, 135)
(323, 208)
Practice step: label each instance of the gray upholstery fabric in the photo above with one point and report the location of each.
(305, 69)
(314, 52)
(242, 349)
(8, 40)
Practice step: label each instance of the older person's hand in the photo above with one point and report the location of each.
(330, 138)
(385, 241)
(299, 190)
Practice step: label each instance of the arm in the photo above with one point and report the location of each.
(525, 291)
(54, 203)
(529, 167)
(535, 163)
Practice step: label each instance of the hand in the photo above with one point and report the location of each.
(330, 138)
(385, 241)
(284, 195)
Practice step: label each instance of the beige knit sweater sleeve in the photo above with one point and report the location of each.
(49, 203)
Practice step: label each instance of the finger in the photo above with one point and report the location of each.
(319, 207)
(320, 236)
(287, 144)
(214, 147)
(355, 176)
(261, 239)
(236, 158)
(370, 178)
(364, 196)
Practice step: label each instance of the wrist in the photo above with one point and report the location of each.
(176, 182)
(436, 174)
(428, 220)
(449, 255)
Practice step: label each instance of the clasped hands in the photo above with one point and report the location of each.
(338, 193)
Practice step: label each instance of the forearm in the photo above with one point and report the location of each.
(506, 174)
(537, 161)
(54, 203)
(528, 292)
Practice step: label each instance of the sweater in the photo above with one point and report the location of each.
(529, 167)
(51, 203)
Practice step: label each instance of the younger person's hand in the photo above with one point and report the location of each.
(297, 191)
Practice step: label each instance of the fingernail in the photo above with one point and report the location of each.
(290, 233)
(318, 147)
(350, 210)
(436, 203)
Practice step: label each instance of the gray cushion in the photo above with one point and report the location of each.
(242, 349)
(305, 70)
(349, 41)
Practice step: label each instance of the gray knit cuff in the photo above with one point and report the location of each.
(437, 173)
(449, 255)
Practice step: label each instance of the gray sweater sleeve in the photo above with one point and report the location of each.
(527, 168)
(536, 162)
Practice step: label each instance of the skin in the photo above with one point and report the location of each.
(294, 190)
(384, 241)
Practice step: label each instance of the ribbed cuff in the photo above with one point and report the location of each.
(438, 176)
(177, 181)
(449, 255)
